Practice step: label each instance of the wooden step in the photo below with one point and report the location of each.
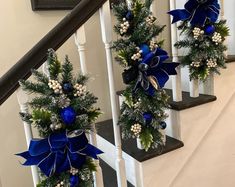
(109, 175)
(105, 130)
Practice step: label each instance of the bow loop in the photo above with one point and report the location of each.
(197, 12)
(59, 152)
(153, 72)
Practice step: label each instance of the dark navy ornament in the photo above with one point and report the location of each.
(74, 180)
(145, 49)
(67, 87)
(129, 16)
(68, 115)
(163, 125)
(209, 29)
(148, 117)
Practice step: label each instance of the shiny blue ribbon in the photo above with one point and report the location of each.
(154, 72)
(197, 11)
(59, 152)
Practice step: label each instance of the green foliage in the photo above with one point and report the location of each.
(54, 64)
(146, 139)
(203, 48)
(67, 69)
(47, 104)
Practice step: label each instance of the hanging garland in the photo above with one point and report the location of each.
(204, 37)
(146, 72)
(62, 111)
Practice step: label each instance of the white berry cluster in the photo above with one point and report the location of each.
(55, 127)
(55, 123)
(150, 20)
(136, 129)
(80, 90)
(195, 64)
(153, 45)
(124, 26)
(55, 85)
(217, 38)
(74, 171)
(211, 63)
(61, 184)
(137, 56)
(136, 105)
(197, 32)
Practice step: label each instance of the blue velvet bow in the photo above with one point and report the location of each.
(153, 72)
(197, 11)
(59, 152)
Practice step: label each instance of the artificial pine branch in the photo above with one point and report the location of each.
(54, 64)
(67, 69)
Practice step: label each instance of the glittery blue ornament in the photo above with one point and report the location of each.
(68, 115)
(148, 117)
(74, 180)
(67, 87)
(209, 29)
(163, 125)
(129, 15)
(145, 49)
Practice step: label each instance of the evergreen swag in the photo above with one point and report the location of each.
(138, 51)
(204, 40)
(51, 112)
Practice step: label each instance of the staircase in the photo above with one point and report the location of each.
(199, 147)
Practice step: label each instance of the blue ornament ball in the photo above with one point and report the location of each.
(209, 29)
(148, 117)
(74, 180)
(67, 87)
(163, 125)
(129, 15)
(68, 115)
(145, 49)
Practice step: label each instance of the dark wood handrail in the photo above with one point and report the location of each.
(54, 39)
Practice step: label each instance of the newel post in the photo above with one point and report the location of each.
(80, 40)
(106, 28)
(23, 100)
(176, 79)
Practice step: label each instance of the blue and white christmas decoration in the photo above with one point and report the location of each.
(203, 37)
(62, 112)
(139, 51)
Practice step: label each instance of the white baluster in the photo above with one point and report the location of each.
(222, 18)
(23, 99)
(208, 85)
(106, 28)
(176, 79)
(194, 88)
(80, 40)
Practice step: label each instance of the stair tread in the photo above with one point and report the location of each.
(105, 130)
(109, 175)
(187, 102)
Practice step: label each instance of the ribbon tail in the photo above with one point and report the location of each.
(170, 68)
(47, 165)
(91, 151)
(162, 77)
(179, 15)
